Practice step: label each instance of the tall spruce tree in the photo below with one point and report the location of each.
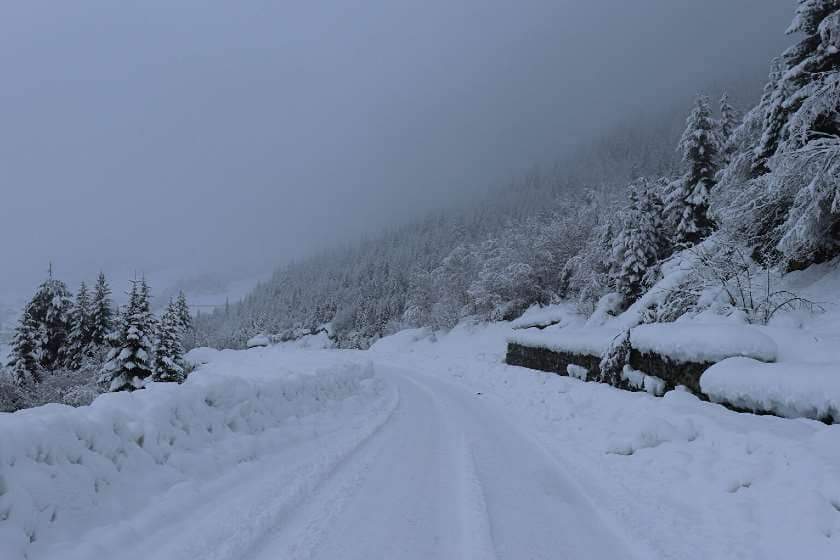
(729, 121)
(81, 319)
(806, 163)
(794, 113)
(182, 309)
(782, 187)
(169, 354)
(146, 305)
(689, 202)
(50, 310)
(102, 313)
(129, 361)
(25, 360)
(640, 244)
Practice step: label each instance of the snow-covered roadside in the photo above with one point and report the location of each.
(259, 444)
(690, 478)
(73, 479)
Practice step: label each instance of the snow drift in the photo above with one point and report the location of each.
(701, 342)
(65, 470)
(809, 390)
(592, 341)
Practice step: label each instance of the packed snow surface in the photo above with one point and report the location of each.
(426, 446)
(679, 477)
(703, 342)
(810, 390)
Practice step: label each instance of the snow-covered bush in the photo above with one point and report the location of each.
(727, 279)
(66, 386)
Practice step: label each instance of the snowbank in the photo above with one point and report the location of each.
(319, 341)
(590, 341)
(258, 341)
(200, 356)
(809, 390)
(702, 342)
(535, 316)
(66, 470)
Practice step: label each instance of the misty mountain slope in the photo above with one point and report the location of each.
(364, 289)
(753, 194)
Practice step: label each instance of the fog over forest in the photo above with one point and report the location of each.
(192, 138)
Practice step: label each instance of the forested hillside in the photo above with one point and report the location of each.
(492, 258)
(600, 222)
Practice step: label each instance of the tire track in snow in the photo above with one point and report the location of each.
(411, 492)
(534, 510)
(222, 519)
(475, 520)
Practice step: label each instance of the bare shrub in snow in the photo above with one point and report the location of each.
(728, 280)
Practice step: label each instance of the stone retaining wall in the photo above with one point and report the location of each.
(551, 361)
(672, 372)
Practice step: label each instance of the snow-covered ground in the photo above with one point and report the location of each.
(425, 446)
(678, 477)
(789, 367)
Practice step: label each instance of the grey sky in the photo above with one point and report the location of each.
(210, 135)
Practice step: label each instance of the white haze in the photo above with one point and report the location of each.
(188, 137)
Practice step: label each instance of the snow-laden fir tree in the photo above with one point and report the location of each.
(129, 361)
(728, 122)
(102, 313)
(79, 338)
(24, 362)
(50, 310)
(807, 77)
(182, 309)
(640, 244)
(689, 202)
(806, 163)
(146, 300)
(787, 208)
(169, 354)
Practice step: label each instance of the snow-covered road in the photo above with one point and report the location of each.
(445, 477)
(422, 447)
(437, 472)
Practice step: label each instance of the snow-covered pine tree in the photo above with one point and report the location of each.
(129, 362)
(146, 306)
(24, 360)
(183, 312)
(808, 70)
(79, 338)
(50, 310)
(689, 202)
(806, 164)
(169, 359)
(729, 121)
(102, 313)
(781, 192)
(639, 245)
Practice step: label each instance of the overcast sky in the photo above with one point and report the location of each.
(200, 135)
